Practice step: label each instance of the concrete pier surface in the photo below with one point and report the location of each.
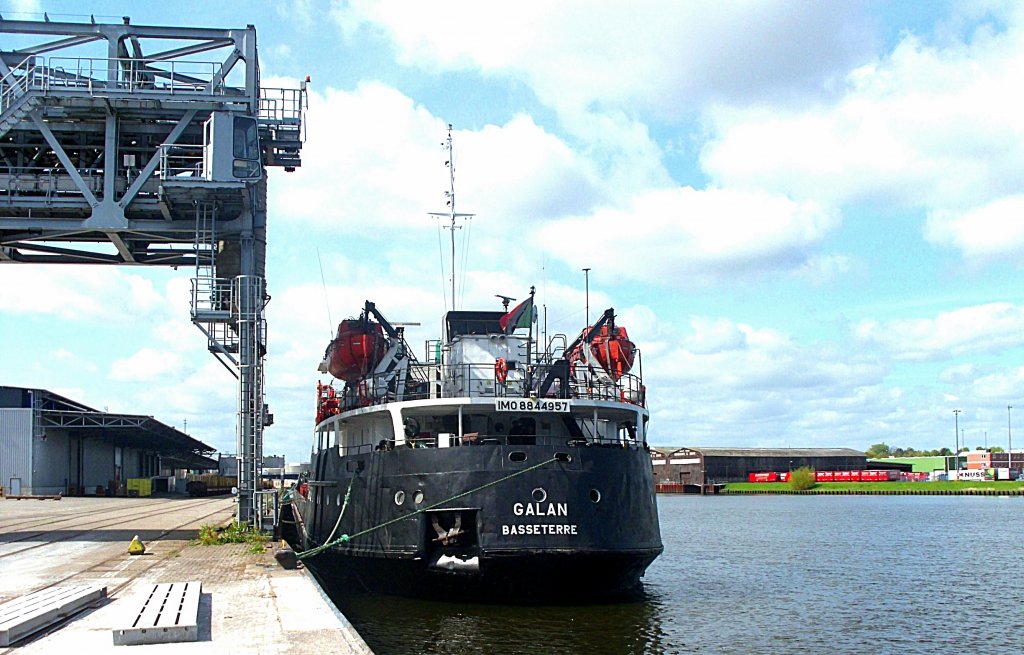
(248, 604)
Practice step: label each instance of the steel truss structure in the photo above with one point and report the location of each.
(143, 145)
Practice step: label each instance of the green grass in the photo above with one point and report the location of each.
(924, 487)
(214, 535)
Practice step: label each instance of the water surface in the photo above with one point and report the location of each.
(759, 574)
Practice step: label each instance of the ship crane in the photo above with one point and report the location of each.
(561, 369)
(392, 370)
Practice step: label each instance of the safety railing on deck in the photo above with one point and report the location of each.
(19, 80)
(282, 106)
(482, 439)
(99, 75)
(482, 381)
(49, 181)
(182, 162)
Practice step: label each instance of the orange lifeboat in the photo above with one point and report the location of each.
(612, 350)
(357, 349)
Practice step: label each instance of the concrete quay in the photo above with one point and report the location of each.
(248, 604)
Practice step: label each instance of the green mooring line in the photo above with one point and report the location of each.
(345, 538)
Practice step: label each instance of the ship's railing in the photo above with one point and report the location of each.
(488, 440)
(482, 381)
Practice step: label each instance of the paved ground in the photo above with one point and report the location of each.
(249, 604)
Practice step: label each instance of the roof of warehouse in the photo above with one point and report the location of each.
(121, 429)
(766, 452)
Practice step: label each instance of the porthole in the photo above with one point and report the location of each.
(417, 497)
(399, 497)
(563, 457)
(539, 495)
(595, 496)
(517, 456)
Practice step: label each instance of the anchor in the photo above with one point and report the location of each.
(445, 536)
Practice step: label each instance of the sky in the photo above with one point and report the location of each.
(808, 215)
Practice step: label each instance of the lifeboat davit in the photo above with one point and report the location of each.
(612, 350)
(357, 350)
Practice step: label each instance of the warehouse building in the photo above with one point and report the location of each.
(695, 468)
(52, 445)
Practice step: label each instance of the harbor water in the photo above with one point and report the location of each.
(760, 574)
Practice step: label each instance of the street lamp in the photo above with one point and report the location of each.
(1009, 444)
(956, 439)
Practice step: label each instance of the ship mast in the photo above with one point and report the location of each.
(450, 195)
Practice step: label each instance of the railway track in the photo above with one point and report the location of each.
(107, 521)
(60, 515)
(114, 564)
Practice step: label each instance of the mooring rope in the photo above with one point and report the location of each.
(345, 537)
(344, 505)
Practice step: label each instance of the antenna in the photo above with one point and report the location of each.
(327, 300)
(504, 300)
(450, 194)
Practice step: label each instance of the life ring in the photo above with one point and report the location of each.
(501, 370)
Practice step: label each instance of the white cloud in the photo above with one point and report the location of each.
(986, 328)
(649, 54)
(146, 365)
(732, 383)
(392, 177)
(991, 231)
(94, 293)
(605, 68)
(689, 237)
(66, 358)
(959, 373)
(368, 161)
(905, 130)
(1000, 385)
(820, 270)
(27, 9)
(300, 12)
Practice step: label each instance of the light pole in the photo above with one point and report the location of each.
(956, 439)
(586, 279)
(1009, 444)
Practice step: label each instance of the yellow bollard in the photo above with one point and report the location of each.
(136, 547)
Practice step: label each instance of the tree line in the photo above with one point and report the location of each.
(883, 450)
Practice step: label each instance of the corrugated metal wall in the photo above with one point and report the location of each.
(98, 466)
(50, 463)
(16, 448)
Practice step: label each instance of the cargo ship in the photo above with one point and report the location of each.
(500, 467)
(490, 470)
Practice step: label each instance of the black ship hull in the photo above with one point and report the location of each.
(522, 523)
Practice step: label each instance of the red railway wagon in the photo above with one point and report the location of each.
(840, 476)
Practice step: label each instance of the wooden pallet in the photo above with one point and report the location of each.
(169, 613)
(33, 612)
